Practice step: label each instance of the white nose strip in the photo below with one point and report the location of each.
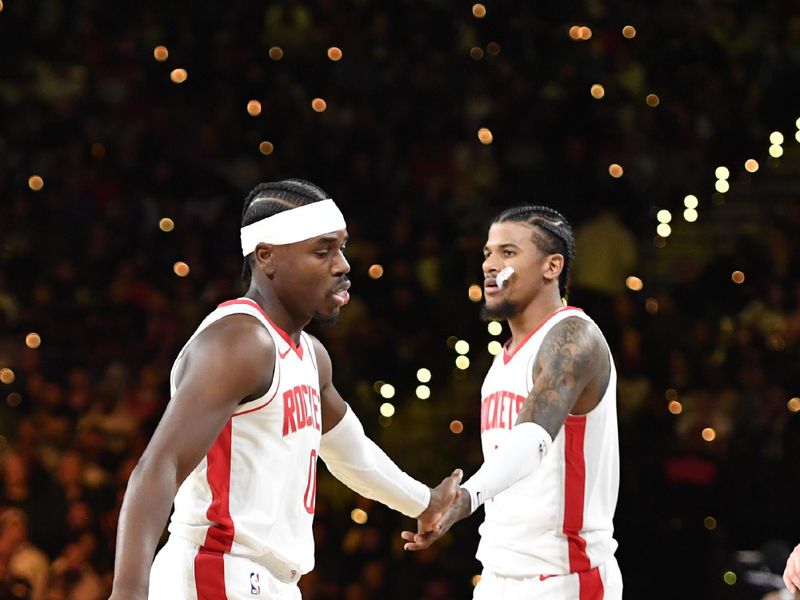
(503, 276)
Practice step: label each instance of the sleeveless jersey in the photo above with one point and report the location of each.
(253, 494)
(558, 520)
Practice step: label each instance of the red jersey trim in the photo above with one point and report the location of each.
(507, 356)
(298, 348)
(574, 492)
(277, 389)
(209, 566)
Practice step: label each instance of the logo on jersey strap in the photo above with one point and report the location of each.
(255, 584)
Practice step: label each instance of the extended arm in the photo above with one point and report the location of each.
(361, 465)
(572, 364)
(573, 356)
(209, 389)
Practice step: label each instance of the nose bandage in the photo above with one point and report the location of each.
(503, 276)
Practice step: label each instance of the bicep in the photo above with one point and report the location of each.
(565, 364)
(208, 393)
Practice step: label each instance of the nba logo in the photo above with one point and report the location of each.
(255, 584)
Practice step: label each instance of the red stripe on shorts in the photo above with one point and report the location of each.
(209, 566)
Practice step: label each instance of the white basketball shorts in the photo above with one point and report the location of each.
(601, 583)
(180, 571)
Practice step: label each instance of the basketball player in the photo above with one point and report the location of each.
(252, 408)
(550, 476)
(791, 576)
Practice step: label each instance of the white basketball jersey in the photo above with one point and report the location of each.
(253, 494)
(558, 520)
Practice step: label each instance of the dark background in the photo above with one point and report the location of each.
(83, 263)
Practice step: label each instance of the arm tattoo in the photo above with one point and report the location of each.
(572, 354)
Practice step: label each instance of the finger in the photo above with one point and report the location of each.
(413, 547)
(408, 535)
(458, 475)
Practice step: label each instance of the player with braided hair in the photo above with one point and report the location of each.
(550, 476)
(253, 405)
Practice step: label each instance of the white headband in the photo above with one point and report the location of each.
(293, 225)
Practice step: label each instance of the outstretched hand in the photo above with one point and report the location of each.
(425, 536)
(791, 576)
(442, 497)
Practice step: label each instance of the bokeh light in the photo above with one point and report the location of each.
(485, 136)
(359, 516)
(423, 392)
(634, 283)
(462, 346)
(629, 32)
(266, 148)
(179, 75)
(33, 340)
(751, 165)
(776, 138)
(690, 201)
(276, 53)
(475, 293)
(597, 91)
(478, 11)
(7, 376)
(737, 277)
(319, 105)
(160, 53)
(709, 434)
(722, 186)
(387, 391)
(166, 224)
(387, 409)
(776, 151)
(690, 215)
(180, 268)
(462, 362)
(710, 523)
(793, 405)
(664, 216)
(664, 230)
(615, 170)
(494, 347)
(375, 271)
(254, 108)
(35, 182)
(652, 100)
(424, 375)
(335, 53)
(494, 327)
(722, 172)
(456, 426)
(675, 407)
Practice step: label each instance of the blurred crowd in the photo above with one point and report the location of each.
(709, 436)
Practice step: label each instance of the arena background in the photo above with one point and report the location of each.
(131, 132)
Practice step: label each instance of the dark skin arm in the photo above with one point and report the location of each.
(218, 372)
(333, 410)
(570, 375)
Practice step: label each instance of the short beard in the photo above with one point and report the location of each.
(325, 322)
(505, 310)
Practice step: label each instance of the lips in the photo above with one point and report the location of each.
(490, 285)
(341, 295)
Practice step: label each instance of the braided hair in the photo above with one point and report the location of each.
(267, 199)
(552, 235)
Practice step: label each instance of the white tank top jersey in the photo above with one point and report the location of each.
(558, 520)
(253, 494)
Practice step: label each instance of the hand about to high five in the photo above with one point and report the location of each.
(442, 497)
(791, 576)
(424, 537)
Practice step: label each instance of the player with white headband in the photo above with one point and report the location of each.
(253, 406)
(550, 476)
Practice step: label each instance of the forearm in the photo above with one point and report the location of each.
(517, 458)
(144, 513)
(361, 465)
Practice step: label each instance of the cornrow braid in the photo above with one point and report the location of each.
(267, 199)
(557, 238)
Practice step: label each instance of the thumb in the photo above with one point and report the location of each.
(458, 475)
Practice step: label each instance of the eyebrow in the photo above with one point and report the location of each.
(501, 246)
(329, 239)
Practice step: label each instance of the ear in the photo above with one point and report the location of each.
(553, 265)
(264, 258)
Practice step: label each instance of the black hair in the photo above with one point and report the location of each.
(555, 237)
(267, 199)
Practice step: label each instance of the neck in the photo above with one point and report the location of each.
(278, 314)
(532, 317)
